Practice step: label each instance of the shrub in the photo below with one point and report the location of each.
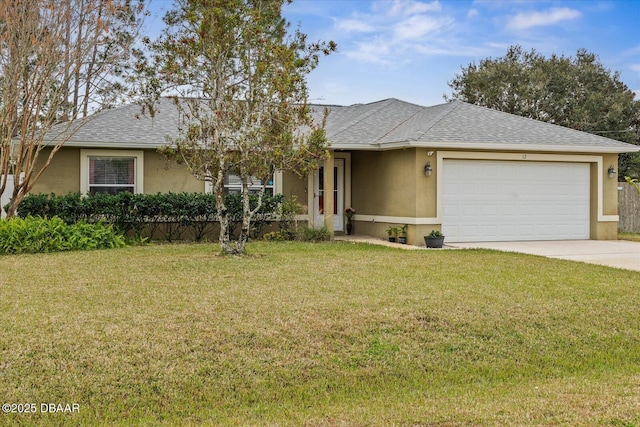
(35, 235)
(286, 211)
(277, 236)
(168, 215)
(310, 234)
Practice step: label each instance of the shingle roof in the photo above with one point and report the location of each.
(385, 124)
(125, 127)
(393, 123)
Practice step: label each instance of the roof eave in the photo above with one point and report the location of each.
(488, 146)
(112, 145)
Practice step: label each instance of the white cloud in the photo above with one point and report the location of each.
(472, 13)
(453, 48)
(417, 27)
(391, 30)
(354, 26)
(375, 51)
(635, 50)
(635, 67)
(523, 21)
(404, 7)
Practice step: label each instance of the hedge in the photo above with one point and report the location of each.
(170, 216)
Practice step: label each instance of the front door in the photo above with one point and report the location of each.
(338, 195)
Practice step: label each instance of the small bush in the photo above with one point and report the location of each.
(277, 236)
(36, 235)
(309, 234)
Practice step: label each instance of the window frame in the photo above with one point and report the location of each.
(277, 185)
(137, 155)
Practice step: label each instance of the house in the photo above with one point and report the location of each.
(475, 173)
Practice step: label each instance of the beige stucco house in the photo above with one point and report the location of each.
(474, 173)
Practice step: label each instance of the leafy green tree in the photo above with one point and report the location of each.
(238, 80)
(578, 92)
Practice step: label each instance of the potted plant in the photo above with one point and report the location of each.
(349, 213)
(392, 232)
(435, 239)
(403, 234)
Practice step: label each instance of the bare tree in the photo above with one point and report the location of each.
(57, 57)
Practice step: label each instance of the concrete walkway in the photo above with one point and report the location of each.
(612, 253)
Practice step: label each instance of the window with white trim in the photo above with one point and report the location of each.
(111, 171)
(233, 184)
(112, 175)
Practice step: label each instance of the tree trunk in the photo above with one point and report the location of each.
(246, 217)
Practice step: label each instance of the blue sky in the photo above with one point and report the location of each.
(409, 49)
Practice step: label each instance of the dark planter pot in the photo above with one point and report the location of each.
(349, 227)
(402, 240)
(392, 239)
(434, 242)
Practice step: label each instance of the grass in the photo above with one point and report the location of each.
(634, 237)
(318, 335)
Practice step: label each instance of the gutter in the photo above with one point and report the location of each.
(627, 148)
(603, 149)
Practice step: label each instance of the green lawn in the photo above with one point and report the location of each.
(318, 335)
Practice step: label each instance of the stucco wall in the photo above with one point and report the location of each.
(63, 174)
(293, 185)
(384, 183)
(393, 185)
(426, 186)
(610, 187)
(162, 176)
(605, 230)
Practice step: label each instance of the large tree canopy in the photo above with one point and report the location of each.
(238, 79)
(577, 92)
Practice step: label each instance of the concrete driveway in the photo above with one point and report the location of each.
(613, 253)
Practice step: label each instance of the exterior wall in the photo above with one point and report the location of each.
(162, 176)
(386, 187)
(294, 186)
(384, 182)
(605, 230)
(63, 174)
(390, 188)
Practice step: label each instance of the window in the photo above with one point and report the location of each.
(233, 184)
(112, 175)
(111, 171)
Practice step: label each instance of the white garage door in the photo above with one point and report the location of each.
(485, 200)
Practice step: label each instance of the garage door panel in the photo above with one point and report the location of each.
(501, 200)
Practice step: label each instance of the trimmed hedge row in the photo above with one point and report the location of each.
(36, 235)
(170, 216)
